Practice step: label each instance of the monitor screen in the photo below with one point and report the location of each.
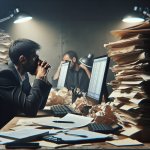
(62, 75)
(97, 83)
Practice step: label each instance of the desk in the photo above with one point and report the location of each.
(95, 145)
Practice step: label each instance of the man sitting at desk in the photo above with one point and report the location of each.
(78, 75)
(16, 94)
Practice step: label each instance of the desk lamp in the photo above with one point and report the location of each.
(139, 15)
(87, 60)
(19, 17)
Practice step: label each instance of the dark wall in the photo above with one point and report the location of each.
(61, 25)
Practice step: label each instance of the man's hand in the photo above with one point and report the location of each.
(56, 75)
(42, 69)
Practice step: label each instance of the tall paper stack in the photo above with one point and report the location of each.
(131, 87)
(5, 41)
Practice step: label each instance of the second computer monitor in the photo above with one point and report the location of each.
(62, 75)
(97, 83)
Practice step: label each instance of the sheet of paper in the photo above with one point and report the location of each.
(125, 142)
(24, 127)
(78, 121)
(132, 82)
(129, 32)
(5, 140)
(136, 101)
(127, 107)
(51, 144)
(130, 131)
(47, 108)
(118, 93)
(30, 121)
(124, 42)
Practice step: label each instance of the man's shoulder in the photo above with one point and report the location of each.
(7, 75)
(4, 69)
(81, 70)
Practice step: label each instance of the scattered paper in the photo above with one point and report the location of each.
(127, 107)
(24, 127)
(30, 121)
(5, 140)
(130, 131)
(125, 142)
(51, 144)
(117, 93)
(78, 121)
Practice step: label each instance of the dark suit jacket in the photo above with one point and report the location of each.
(17, 97)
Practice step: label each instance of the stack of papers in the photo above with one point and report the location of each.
(131, 86)
(5, 41)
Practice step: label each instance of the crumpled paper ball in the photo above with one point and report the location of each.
(63, 96)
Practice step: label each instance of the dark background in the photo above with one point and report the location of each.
(61, 25)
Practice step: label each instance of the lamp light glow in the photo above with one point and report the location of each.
(21, 19)
(131, 19)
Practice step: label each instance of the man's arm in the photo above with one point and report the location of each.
(11, 91)
(86, 70)
(56, 75)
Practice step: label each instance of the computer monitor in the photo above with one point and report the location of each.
(63, 74)
(97, 85)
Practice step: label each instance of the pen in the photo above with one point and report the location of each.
(59, 121)
(84, 136)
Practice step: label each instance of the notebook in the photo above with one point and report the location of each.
(24, 135)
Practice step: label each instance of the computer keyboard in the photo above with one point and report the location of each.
(103, 128)
(62, 110)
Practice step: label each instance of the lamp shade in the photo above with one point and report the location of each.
(22, 17)
(134, 17)
(87, 60)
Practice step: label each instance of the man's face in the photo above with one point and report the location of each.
(67, 58)
(31, 64)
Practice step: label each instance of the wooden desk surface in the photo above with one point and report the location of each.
(95, 145)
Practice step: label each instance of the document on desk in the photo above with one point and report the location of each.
(125, 142)
(24, 127)
(130, 131)
(67, 122)
(75, 136)
(24, 135)
(5, 140)
(30, 121)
